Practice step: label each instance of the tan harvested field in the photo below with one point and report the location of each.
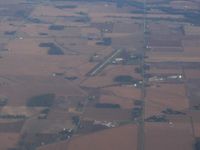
(19, 91)
(6, 27)
(166, 49)
(33, 30)
(164, 30)
(105, 114)
(162, 96)
(121, 69)
(26, 64)
(165, 136)
(166, 43)
(192, 73)
(196, 123)
(128, 92)
(21, 110)
(155, 70)
(8, 140)
(185, 5)
(97, 81)
(106, 77)
(128, 15)
(192, 30)
(51, 47)
(77, 46)
(124, 137)
(172, 57)
(128, 42)
(25, 46)
(90, 31)
(191, 42)
(193, 50)
(127, 28)
(11, 2)
(123, 102)
(51, 11)
(46, 126)
(122, 95)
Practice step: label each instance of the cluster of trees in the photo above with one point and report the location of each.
(10, 32)
(140, 69)
(45, 100)
(44, 113)
(170, 111)
(53, 49)
(43, 33)
(130, 58)
(34, 20)
(137, 4)
(159, 118)
(71, 78)
(66, 6)
(66, 134)
(136, 112)
(107, 105)
(3, 101)
(197, 107)
(56, 27)
(125, 79)
(105, 41)
(33, 141)
(76, 120)
(8, 116)
(83, 18)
